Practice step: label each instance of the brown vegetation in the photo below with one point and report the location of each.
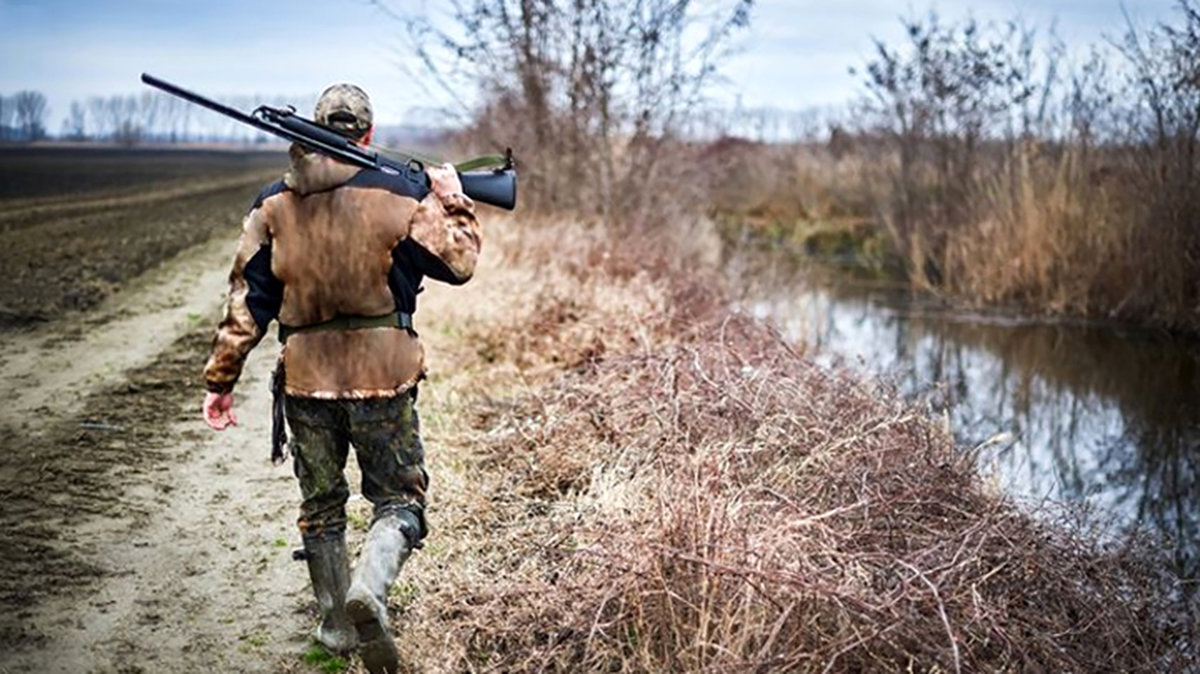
(658, 484)
(674, 488)
(1001, 178)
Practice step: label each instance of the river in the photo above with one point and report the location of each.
(1090, 415)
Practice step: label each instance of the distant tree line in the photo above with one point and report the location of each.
(156, 117)
(131, 119)
(23, 116)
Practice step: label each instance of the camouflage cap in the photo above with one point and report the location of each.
(344, 108)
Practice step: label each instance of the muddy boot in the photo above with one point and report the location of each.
(330, 573)
(387, 546)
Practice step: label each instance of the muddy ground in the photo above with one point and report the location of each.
(79, 225)
(31, 175)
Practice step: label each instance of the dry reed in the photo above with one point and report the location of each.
(1000, 181)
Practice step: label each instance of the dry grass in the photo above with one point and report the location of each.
(663, 486)
(1064, 233)
(1041, 230)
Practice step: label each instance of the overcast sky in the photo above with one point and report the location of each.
(796, 54)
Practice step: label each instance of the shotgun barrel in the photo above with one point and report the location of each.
(496, 186)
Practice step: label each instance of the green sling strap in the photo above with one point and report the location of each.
(493, 161)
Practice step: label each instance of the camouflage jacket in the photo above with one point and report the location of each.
(330, 240)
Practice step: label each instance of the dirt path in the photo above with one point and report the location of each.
(195, 568)
(138, 541)
(49, 371)
(173, 545)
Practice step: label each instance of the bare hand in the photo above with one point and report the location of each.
(443, 180)
(218, 411)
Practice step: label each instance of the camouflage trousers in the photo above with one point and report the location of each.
(385, 434)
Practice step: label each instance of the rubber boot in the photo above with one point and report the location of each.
(384, 552)
(329, 570)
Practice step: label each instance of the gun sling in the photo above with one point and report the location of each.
(397, 319)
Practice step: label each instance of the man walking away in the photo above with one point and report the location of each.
(337, 255)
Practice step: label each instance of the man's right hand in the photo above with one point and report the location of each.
(218, 411)
(443, 180)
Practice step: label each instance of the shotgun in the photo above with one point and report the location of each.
(496, 185)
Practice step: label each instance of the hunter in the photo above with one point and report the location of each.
(337, 255)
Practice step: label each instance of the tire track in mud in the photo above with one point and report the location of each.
(82, 435)
(82, 468)
(16, 214)
(131, 539)
(137, 540)
(48, 369)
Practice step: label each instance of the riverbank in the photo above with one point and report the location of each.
(1099, 416)
(632, 477)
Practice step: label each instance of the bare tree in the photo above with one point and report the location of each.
(939, 98)
(1166, 77)
(148, 105)
(187, 114)
(172, 108)
(7, 113)
(31, 113)
(98, 115)
(593, 92)
(122, 114)
(75, 125)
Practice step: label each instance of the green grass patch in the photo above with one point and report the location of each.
(357, 520)
(320, 658)
(404, 593)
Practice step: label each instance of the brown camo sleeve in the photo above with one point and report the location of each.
(448, 229)
(237, 333)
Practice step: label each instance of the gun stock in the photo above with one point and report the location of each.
(498, 188)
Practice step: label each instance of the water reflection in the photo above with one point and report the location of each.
(1095, 415)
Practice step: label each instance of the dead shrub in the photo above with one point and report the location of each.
(596, 293)
(700, 497)
(737, 508)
